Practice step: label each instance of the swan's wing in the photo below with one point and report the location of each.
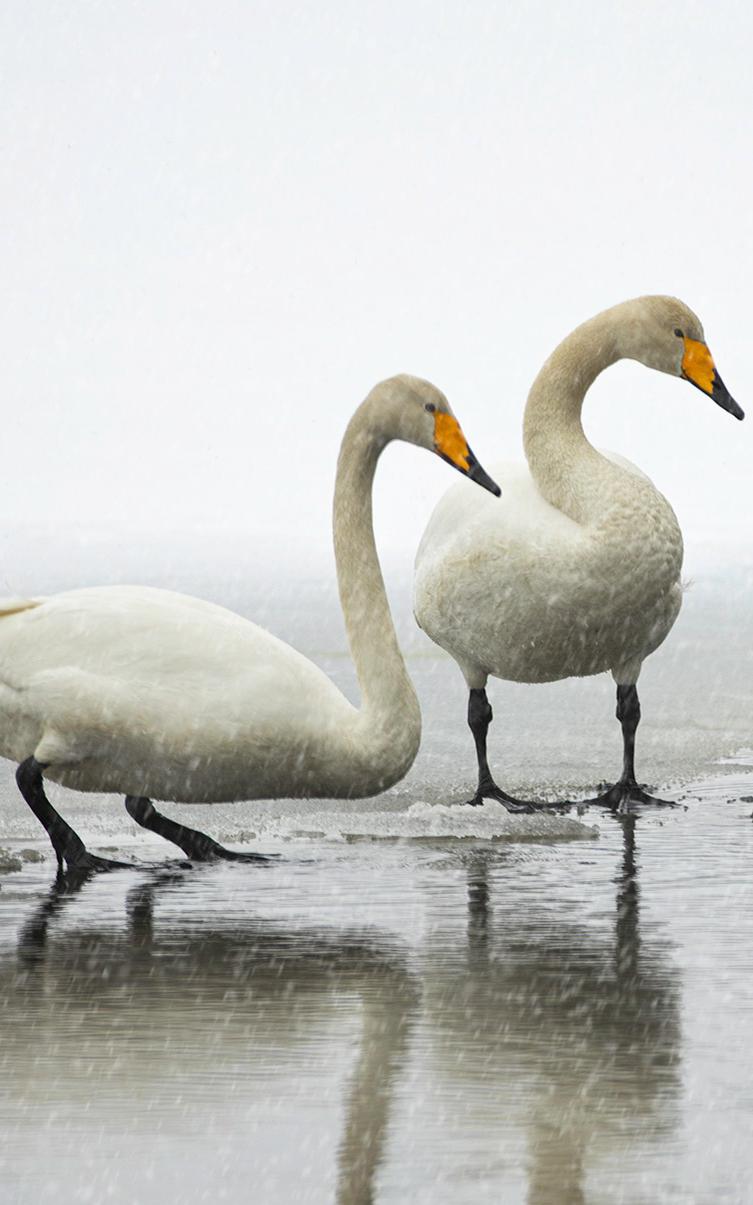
(469, 524)
(159, 653)
(133, 632)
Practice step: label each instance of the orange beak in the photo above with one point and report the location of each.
(698, 367)
(452, 446)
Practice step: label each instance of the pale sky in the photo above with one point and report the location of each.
(224, 222)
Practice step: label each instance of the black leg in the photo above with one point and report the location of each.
(480, 716)
(195, 845)
(70, 850)
(626, 790)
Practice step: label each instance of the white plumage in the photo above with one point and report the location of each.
(152, 693)
(549, 597)
(577, 569)
(149, 692)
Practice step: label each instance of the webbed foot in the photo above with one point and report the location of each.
(625, 795)
(490, 790)
(84, 863)
(207, 850)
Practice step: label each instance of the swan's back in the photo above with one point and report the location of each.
(465, 517)
(133, 676)
(136, 634)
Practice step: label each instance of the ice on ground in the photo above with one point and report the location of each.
(743, 757)
(427, 821)
(14, 859)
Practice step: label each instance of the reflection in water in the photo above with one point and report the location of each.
(627, 935)
(582, 1035)
(530, 1053)
(478, 914)
(383, 1051)
(252, 991)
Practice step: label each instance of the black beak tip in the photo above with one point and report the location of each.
(480, 476)
(723, 398)
(730, 405)
(475, 472)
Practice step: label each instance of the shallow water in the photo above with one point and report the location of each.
(385, 1015)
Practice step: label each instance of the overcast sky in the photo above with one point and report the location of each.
(223, 222)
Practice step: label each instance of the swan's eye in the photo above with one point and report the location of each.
(679, 333)
(429, 407)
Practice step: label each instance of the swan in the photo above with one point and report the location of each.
(158, 695)
(577, 571)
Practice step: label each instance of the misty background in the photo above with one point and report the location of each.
(224, 223)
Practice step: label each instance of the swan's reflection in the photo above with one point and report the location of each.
(111, 1011)
(549, 1039)
(570, 1031)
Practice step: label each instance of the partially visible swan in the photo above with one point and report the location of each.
(152, 693)
(577, 571)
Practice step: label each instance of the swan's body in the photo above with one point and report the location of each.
(152, 693)
(550, 597)
(577, 569)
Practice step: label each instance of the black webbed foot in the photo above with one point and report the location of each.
(207, 850)
(507, 801)
(626, 795)
(85, 863)
(490, 790)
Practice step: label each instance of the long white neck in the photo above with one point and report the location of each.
(390, 719)
(618, 507)
(568, 470)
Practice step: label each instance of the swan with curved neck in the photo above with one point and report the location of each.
(155, 694)
(577, 571)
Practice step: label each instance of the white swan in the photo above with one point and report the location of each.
(577, 571)
(152, 693)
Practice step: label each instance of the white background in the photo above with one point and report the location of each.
(223, 222)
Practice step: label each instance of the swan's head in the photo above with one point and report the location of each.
(663, 333)
(415, 411)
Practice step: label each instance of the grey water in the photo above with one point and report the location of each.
(413, 1001)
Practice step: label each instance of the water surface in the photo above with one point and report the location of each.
(383, 1016)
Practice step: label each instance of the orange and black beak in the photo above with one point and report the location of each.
(698, 368)
(452, 446)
